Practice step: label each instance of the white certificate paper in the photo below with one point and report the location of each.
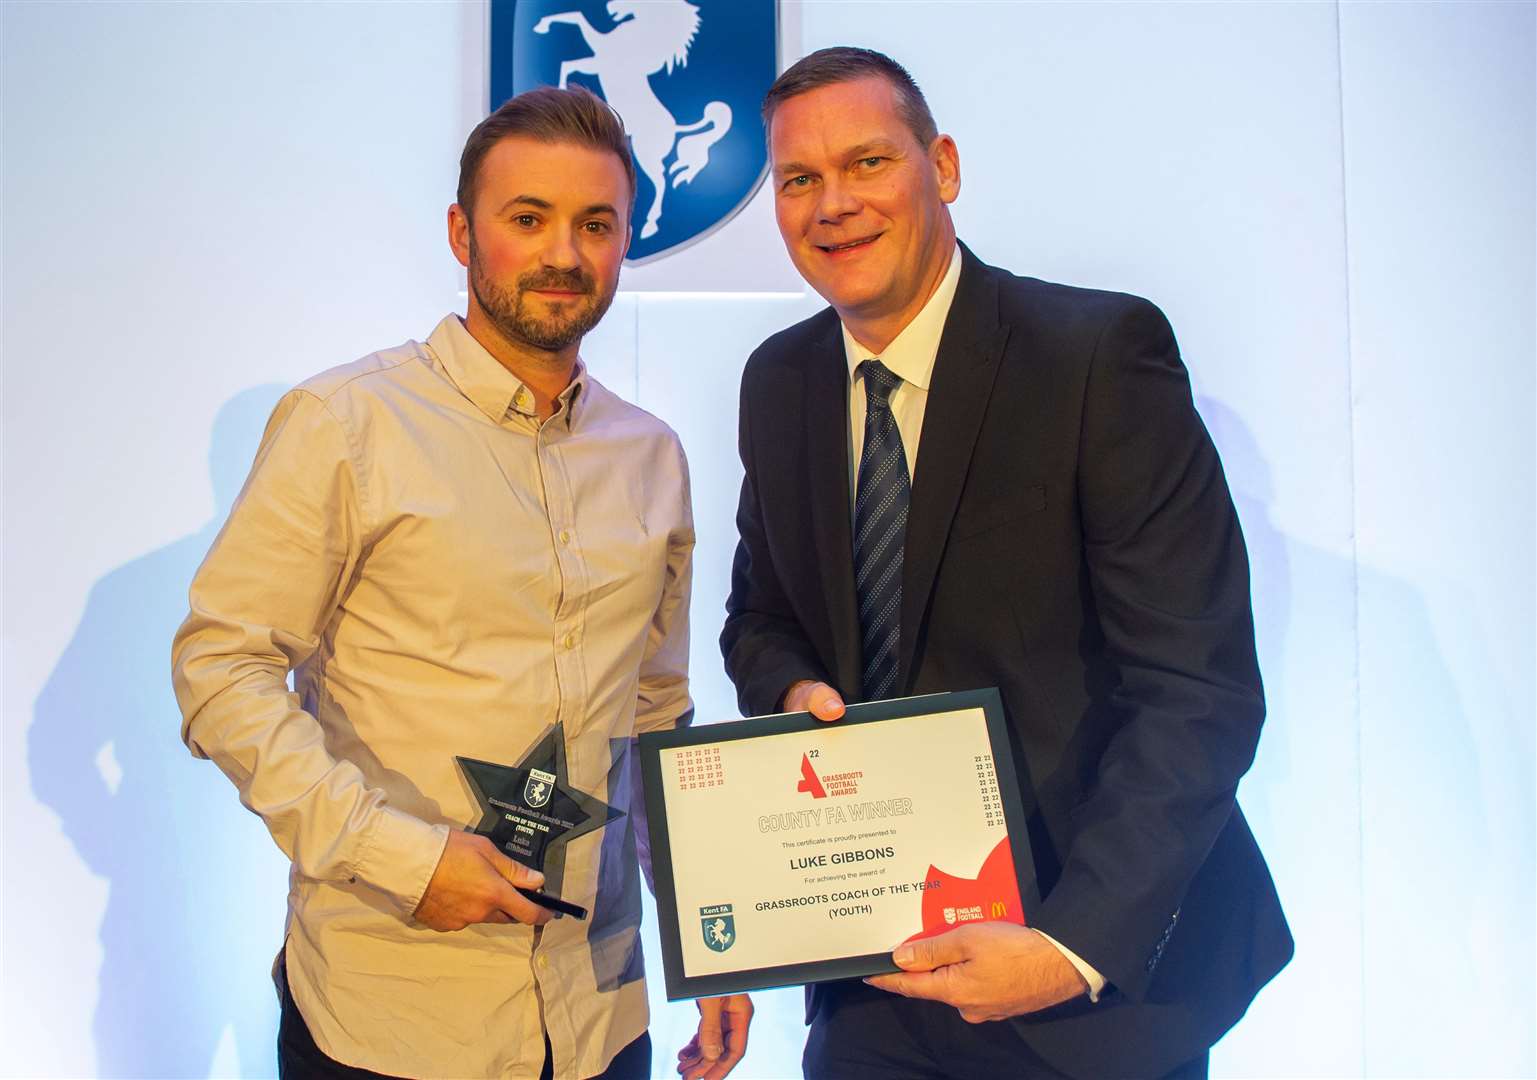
(787, 850)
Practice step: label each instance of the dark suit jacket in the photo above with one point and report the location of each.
(1071, 541)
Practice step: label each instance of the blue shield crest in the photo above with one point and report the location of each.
(687, 76)
(719, 932)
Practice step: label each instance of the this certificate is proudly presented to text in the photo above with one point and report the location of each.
(787, 850)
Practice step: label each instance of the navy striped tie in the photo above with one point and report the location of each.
(880, 531)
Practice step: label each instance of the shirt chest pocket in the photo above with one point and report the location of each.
(622, 555)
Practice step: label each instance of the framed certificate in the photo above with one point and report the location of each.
(787, 850)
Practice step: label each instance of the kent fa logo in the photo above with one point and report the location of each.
(538, 788)
(718, 926)
(686, 77)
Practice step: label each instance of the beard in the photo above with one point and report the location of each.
(508, 308)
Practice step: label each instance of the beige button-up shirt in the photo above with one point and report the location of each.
(443, 575)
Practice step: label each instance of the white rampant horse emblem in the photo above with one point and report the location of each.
(538, 788)
(718, 937)
(649, 37)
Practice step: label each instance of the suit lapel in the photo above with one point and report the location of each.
(827, 424)
(964, 371)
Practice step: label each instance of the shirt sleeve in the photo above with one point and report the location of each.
(1095, 980)
(762, 642)
(662, 699)
(260, 604)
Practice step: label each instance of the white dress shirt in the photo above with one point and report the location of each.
(911, 356)
(444, 575)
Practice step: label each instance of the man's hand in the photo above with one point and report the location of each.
(721, 1040)
(474, 884)
(989, 971)
(817, 698)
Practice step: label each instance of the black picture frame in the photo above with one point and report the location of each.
(651, 744)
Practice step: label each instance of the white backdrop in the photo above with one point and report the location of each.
(204, 203)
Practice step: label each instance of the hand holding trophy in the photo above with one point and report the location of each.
(529, 813)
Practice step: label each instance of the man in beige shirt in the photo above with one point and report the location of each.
(461, 547)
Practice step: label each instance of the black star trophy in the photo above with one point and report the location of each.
(530, 814)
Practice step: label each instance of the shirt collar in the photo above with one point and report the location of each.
(493, 389)
(911, 354)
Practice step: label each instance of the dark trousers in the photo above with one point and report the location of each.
(300, 1059)
(860, 1032)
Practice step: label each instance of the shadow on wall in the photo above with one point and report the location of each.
(196, 887)
(1436, 750)
(1249, 479)
(1422, 830)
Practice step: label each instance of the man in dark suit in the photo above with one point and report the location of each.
(959, 478)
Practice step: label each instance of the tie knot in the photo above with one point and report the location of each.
(880, 381)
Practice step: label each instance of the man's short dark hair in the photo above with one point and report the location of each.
(841, 64)
(547, 115)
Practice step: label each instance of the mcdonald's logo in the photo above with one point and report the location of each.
(999, 909)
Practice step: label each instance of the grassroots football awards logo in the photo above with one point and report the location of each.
(718, 926)
(687, 78)
(810, 782)
(821, 785)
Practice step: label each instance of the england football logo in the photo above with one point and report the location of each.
(686, 77)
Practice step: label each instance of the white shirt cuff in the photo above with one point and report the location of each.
(1095, 980)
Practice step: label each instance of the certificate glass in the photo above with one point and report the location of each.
(787, 850)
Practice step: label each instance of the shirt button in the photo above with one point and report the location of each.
(570, 641)
(565, 536)
(544, 961)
